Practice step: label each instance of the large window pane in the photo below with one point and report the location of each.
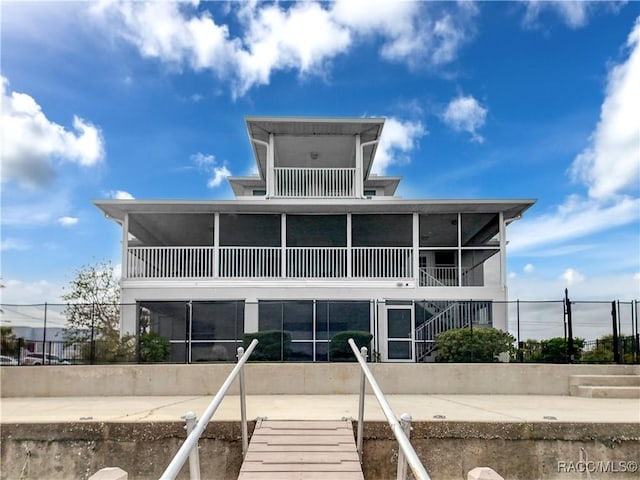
(295, 317)
(480, 229)
(382, 230)
(301, 351)
(167, 319)
(316, 230)
(247, 230)
(439, 230)
(480, 268)
(399, 325)
(336, 317)
(217, 320)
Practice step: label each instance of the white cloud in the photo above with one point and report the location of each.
(13, 244)
(32, 144)
(611, 161)
(68, 221)
(398, 139)
(302, 36)
(120, 195)
(465, 114)
(573, 13)
(528, 268)
(609, 167)
(209, 165)
(572, 276)
(576, 218)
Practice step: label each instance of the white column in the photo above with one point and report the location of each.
(124, 270)
(503, 254)
(270, 166)
(349, 247)
(359, 188)
(459, 249)
(416, 248)
(283, 245)
(216, 245)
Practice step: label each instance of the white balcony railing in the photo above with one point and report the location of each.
(266, 262)
(317, 262)
(382, 262)
(170, 262)
(314, 182)
(442, 276)
(243, 262)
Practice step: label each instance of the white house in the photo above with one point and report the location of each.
(313, 244)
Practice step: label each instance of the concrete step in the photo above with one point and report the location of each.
(606, 392)
(605, 386)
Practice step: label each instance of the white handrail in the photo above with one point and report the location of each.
(192, 440)
(405, 445)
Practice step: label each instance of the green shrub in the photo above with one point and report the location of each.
(339, 349)
(154, 348)
(477, 345)
(554, 350)
(273, 346)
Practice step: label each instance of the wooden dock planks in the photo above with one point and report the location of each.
(302, 450)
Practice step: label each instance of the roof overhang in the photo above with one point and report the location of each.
(118, 209)
(259, 128)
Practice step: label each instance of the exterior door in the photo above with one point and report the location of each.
(400, 326)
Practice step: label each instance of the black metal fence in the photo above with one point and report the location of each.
(556, 331)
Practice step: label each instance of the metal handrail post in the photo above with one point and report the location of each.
(359, 446)
(405, 423)
(176, 464)
(412, 457)
(243, 407)
(194, 455)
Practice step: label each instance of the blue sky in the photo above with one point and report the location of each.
(482, 100)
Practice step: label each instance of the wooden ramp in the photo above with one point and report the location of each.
(302, 450)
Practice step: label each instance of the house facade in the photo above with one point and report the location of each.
(313, 244)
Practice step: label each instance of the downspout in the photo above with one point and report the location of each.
(268, 167)
(360, 193)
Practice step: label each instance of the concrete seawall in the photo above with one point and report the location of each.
(296, 379)
(519, 451)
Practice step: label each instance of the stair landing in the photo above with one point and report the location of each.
(302, 450)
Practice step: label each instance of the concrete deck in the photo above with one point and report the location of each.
(465, 408)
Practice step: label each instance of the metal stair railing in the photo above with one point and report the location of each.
(190, 447)
(407, 454)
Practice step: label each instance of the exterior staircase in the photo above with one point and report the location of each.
(446, 315)
(605, 386)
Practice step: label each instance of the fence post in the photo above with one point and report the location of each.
(44, 336)
(614, 321)
(570, 349)
(92, 345)
(634, 314)
(405, 423)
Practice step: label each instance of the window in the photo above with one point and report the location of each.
(259, 192)
(197, 331)
(312, 324)
(370, 193)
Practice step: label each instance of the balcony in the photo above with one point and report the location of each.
(266, 262)
(314, 182)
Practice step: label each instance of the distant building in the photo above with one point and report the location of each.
(313, 244)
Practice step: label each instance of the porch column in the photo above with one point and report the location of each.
(349, 251)
(283, 245)
(359, 188)
(124, 270)
(416, 248)
(503, 253)
(270, 166)
(216, 245)
(459, 250)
